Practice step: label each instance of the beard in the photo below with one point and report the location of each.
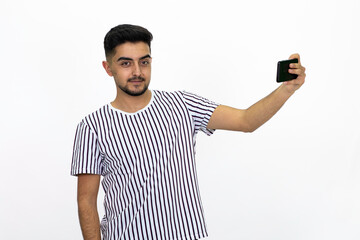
(137, 92)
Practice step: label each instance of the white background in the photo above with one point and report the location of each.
(297, 177)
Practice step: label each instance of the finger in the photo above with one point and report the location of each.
(295, 55)
(295, 65)
(298, 71)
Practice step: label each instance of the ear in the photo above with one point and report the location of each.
(107, 68)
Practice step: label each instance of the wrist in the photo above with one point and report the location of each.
(287, 90)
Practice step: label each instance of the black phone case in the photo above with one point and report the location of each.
(283, 70)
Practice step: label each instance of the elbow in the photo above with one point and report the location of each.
(248, 127)
(250, 130)
(86, 202)
(249, 123)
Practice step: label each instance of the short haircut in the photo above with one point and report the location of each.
(125, 33)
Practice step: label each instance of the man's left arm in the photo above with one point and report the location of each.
(248, 120)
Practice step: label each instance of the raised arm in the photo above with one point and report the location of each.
(88, 188)
(248, 120)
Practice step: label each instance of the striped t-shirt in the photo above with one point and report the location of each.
(147, 160)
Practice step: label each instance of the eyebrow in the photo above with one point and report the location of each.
(130, 59)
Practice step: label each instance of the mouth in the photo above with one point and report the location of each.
(136, 80)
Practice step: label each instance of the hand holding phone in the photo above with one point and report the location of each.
(283, 70)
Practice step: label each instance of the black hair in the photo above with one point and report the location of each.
(125, 33)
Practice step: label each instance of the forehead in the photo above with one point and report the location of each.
(132, 50)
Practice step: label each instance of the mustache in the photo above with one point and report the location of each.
(136, 78)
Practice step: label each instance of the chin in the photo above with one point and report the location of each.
(135, 93)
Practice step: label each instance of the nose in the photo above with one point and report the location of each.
(136, 70)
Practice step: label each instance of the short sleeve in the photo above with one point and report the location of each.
(201, 110)
(86, 158)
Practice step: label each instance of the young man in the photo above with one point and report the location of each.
(142, 144)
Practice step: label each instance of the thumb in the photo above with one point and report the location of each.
(295, 55)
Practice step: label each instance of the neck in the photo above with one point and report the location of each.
(131, 104)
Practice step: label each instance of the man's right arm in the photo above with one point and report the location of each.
(88, 188)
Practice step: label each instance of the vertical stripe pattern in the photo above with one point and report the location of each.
(147, 160)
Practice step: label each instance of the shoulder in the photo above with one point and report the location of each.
(96, 118)
(182, 96)
(168, 96)
(166, 93)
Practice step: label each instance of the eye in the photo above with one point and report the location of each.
(145, 62)
(125, 63)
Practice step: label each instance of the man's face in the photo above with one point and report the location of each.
(131, 67)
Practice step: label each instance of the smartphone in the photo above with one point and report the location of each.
(283, 70)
